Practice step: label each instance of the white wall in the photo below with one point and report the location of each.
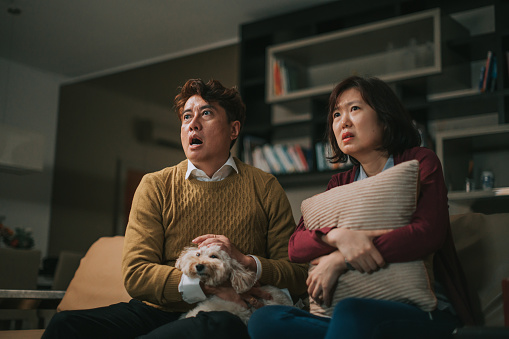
(29, 100)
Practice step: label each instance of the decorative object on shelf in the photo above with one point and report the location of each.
(487, 180)
(19, 238)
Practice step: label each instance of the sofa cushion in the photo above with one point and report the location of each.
(481, 243)
(98, 280)
(384, 201)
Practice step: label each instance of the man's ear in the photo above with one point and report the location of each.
(235, 129)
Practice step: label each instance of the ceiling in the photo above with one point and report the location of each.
(84, 37)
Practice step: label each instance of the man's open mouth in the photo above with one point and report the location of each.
(196, 141)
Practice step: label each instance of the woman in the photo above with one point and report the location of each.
(368, 124)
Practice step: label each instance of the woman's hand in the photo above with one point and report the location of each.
(228, 247)
(322, 279)
(357, 247)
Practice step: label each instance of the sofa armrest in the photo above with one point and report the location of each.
(30, 299)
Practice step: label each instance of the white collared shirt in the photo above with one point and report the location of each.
(190, 288)
(222, 173)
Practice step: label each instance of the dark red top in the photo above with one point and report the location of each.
(429, 231)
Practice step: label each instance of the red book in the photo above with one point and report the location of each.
(277, 79)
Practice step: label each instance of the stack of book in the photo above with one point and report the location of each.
(287, 77)
(277, 158)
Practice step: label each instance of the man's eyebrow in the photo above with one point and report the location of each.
(201, 108)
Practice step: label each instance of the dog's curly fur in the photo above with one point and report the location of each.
(213, 267)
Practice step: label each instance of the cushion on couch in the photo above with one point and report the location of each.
(98, 280)
(384, 201)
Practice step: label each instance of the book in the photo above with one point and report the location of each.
(303, 157)
(259, 160)
(320, 157)
(488, 72)
(277, 78)
(292, 152)
(249, 143)
(272, 159)
(284, 158)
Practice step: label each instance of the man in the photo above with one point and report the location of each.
(210, 198)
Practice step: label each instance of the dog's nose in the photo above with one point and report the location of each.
(200, 267)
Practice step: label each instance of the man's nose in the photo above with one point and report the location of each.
(195, 123)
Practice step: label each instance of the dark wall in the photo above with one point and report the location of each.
(97, 143)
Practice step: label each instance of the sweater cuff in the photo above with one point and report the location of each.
(171, 293)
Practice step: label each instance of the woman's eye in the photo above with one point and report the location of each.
(186, 116)
(336, 115)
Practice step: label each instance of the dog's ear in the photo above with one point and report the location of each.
(241, 278)
(178, 263)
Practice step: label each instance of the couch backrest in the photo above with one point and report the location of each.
(483, 249)
(19, 268)
(98, 280)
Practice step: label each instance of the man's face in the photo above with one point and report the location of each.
(206, 134)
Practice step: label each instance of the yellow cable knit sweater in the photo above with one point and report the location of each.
(250, 208)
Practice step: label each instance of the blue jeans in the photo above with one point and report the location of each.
(353, 318)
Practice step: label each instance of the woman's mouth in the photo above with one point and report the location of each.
(346, 136)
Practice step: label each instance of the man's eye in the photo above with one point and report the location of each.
(207, 112)
(354, 108)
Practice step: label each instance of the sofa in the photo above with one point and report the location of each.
(481, 242)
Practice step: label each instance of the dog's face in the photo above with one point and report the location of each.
(213, 267)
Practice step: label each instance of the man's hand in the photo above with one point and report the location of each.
(357, 247)
(228, 247)
(322, 279)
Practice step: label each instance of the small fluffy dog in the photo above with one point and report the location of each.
(213, 267)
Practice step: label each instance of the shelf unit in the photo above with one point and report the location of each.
(322, 41)
(394, 49)
(488, 149)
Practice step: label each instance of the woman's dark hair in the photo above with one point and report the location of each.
(399, 133)
(213, 91)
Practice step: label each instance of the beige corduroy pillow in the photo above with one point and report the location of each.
(384, 201)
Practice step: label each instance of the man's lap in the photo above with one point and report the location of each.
(134, 319)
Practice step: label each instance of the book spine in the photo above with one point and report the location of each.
(302, 157)
(272, 160)
(487, 72)
(284, 158)
(292, 152)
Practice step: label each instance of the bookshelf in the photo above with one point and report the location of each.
(394, 49)
(436, 74)
(481, 149)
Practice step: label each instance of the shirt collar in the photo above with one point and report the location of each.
(362, 175)
(222, 173)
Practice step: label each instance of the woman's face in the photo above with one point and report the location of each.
(356, 127)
